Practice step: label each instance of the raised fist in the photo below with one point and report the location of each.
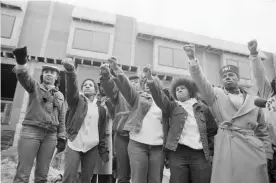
(147, 72)
(113, 63)
(252, 46)
(20, 55)
(68, 64)
(104, 69)
(190, 51)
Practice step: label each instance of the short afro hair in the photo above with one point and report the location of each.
(94, 82)
(186, 81)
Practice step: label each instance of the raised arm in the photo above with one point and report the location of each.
(71, 83)
(122, 82)
(61, 116)
(263, 134)
(108, 84)
(159, 97)
(258, 70)
(21, 70)
(204, 86)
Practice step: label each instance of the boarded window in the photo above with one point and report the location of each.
(8, 21)
(91, 40)
(172, 57)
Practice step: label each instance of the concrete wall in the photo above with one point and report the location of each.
(123, 39)
(34, 26)
(58, 34)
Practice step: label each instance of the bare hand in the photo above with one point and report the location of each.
(252, 46)
(147, 72)
(113, 63)
(68, 64)
(104, 69)
(190, 51)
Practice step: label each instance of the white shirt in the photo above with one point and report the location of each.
(88, 135)
(151, 132)
(190, 135)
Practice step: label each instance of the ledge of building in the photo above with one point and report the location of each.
(148, 31)
(78, 60)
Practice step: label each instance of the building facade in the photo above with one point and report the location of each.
(53, 31)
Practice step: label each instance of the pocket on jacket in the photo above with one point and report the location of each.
(255, 141)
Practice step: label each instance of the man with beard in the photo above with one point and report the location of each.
(43, 127)
(267, 91)
(242, 145)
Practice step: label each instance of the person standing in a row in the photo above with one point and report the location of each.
(85, 127)
(145, 126)
(121, 114)
(191, 130)
(267, 91)
(242, 145)
(43, 126)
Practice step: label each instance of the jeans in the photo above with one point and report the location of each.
(123, 164)
(146, 162)
(72, 162)
(34, 142)
(188, 165)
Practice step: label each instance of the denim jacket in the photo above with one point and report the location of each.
(140, 103)
(206, 124)
(45, 108)
(77, 110)
(122, 108)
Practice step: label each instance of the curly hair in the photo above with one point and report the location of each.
(186, 81)
(94, 82)
(57, 82)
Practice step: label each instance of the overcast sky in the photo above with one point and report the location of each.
(232, 20)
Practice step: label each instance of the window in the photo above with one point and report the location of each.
(8, 86)
(172, 57)
(91, 40)
(244, 69)
(7, 23)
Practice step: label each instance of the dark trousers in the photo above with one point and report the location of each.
(122, 158)
(272, 169)
(102, 179)
(146, 162)
(72, 162)
(34, 142)
(188, 165)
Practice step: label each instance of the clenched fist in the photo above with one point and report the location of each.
(252, 46)
(190, 51)
(104, 69)
(113, 63)
(147, 72)
(20, 55)
(68, 64)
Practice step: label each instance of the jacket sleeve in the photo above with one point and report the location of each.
(126, 88)
(71, 88)
(110, 88)
(61, 118)
(212, 129)
(102, 147)
(262, 82)
(25, 78)
(160, 98)
(204, 86)
(110, 108)
(263, 134)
